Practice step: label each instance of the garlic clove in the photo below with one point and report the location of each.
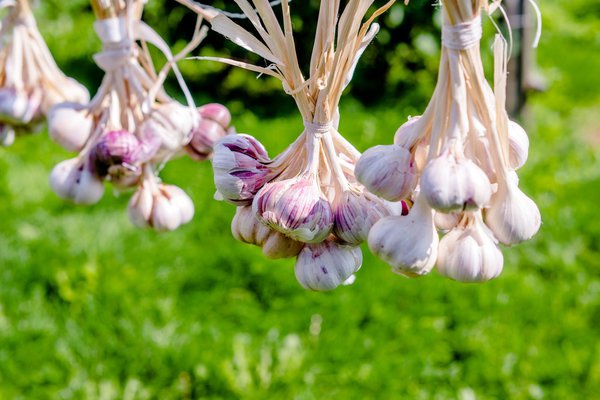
(239, 168)
(407, 243)
(72, 180)
(354, 215)
(295, 207)
(326, 265)
(518, 143)
(139, 208)
(387, 171)
(449, 183)
(512, 216)
(70, 126)
(469, 254)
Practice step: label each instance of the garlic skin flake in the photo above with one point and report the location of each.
(513, 217)
(387, 171)
(295, 207)
(326, 265)
(407, 243)
(451, 183)
(469, 254)
(72, 180)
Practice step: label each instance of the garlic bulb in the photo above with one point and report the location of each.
(326, 265)
(469, 254)
(405, 135)
(246, 229)
(387, 171)
(354, 215)
(162, 207)
(70, 125)
(407, 243)
(73, 180)
(446, 221)
(518, 142)
(451, 183)
(310, 220)
(512, 216)
(240, 166)
(214, 122)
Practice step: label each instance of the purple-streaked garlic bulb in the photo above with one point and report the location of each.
(214, 125)
(295, 207)
(355, 213)
(118, 156)
(326, 265)
(247, 229)
(241, 168)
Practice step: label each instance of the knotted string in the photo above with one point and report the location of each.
(317, 129)
(462, 36)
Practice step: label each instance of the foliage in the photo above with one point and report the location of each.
(92, 308)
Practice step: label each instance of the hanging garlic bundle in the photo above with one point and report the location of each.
(131, 128)
(465, 152)
(306, 202)
(30, 80)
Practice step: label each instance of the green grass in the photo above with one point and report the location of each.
(92, 308)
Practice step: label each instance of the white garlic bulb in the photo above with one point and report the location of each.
(452, 183)
(407, 243)
(470, 254)
(512, 216)
(518, 145)
(70, 125)
(387, 171)
(72, 180)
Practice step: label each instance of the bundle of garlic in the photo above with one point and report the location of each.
(458, 161)
(30, 80)
(306, 202)
(131, 128)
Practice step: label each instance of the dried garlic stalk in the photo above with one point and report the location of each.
(306, 202)
(30, 80)
(464, 151)
(131, 128)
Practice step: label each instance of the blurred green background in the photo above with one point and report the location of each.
(92, 308)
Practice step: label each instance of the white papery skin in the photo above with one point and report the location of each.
(140, 206)
(387, 171)
(173, 124)
(451, 183)
(326, 265)
(72, 181)
(512, 216)
(246, 229)
(407, 243)
(70, 126)
(405, 134)
(469, 254)
(518, 143)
